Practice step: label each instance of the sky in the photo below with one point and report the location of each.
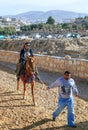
(12, 7)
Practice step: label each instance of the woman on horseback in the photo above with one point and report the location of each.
(23, 54)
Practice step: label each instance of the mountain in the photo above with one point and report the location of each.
(40, 16)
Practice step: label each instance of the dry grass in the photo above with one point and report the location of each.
(76, 48)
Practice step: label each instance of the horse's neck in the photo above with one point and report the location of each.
(28, 73)
(29, 68)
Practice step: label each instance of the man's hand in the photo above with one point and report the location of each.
(76, 95)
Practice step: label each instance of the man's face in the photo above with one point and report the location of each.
(67, 76)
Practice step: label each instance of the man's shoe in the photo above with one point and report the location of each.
(73, 126)
(53, 119)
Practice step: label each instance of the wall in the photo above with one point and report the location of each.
(78, 67)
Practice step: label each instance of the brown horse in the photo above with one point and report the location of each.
(28, 77)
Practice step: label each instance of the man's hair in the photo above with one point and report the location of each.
(67, 72)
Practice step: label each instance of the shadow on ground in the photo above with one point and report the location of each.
(8, 67)
(80, 126)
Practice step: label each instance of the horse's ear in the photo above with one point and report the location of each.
(28, 57)
(33, 56)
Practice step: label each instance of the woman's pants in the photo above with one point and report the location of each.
(20, 69)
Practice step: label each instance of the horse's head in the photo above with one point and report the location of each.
(30, 65)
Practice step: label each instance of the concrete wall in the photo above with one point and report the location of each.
(78, 67)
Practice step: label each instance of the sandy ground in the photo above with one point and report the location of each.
(19, 114)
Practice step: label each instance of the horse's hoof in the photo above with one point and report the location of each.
(24, 97)
(33, 104)
(18, 91)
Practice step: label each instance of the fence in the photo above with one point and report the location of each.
(78, 67)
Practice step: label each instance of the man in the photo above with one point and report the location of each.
(67, 88)
(24, 52)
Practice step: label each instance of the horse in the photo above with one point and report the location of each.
(28, 76)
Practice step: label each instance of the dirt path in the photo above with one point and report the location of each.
(19, 114)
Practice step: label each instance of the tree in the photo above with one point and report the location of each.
(74, 27)
(9, 30)
(65, 25)
(86, 25)
(50, 20)
(25, 28)
(40, 26)
(1, 30)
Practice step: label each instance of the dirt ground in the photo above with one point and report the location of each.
(19, 114)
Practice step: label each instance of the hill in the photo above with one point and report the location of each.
(40, 16)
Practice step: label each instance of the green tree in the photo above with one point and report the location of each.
(40, 26)
(1, 30)
(86, 25)
(65, 25)
(50, 20)
(25, 28)
(74, 27)
(33, 26)
(9, 30)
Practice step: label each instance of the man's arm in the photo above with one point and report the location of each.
(54, 84)
(75, 90)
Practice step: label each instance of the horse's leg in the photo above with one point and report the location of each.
(32, 91)
(18, 85)
(24, 93)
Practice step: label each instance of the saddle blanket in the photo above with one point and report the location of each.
(28, 79)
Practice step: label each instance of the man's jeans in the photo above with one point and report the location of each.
(70, 106)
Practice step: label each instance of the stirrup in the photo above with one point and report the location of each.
(18, 78)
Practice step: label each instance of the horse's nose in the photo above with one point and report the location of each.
(31, 60)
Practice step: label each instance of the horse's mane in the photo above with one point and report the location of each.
(30, 65)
